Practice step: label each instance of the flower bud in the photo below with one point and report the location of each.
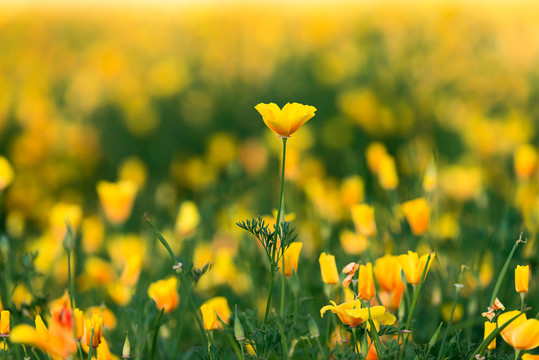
(313, 328)
(126, 351)
(238, 329)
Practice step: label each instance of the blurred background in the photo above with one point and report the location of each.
(163, 95)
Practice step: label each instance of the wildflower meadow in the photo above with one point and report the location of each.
(269, 180)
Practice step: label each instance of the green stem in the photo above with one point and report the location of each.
(70, 280)
(183, 281)
(270, 291)
(517, 352)
(4, 352)
(417, 290)
(504, 270)
(154, 339)
(278, 223)
(457, 292)
(80, 351)
(90, 348)
(354, 339)
(522, 295)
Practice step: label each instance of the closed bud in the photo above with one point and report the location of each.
(238, 329)
(126, 351)
(295, 285)
(434, 338)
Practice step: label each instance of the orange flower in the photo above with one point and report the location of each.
(4, 323)
(94, 324)
(330, 275)
(413, 266)
(287, 121)
(165, 294)
(220, 306)
(522, 275)
(417, 214)
(522, 333)
(291, 257)
(387, 271)
(525, 160)
(79, 324)
(365, 287)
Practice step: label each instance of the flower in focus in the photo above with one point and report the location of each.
(525, 160)
(220, 306)
(521, 333)
(490, 327)
(286, 121)
(4, 323)
(413, 266)
(165, 294)
(417, 214)
(353, 315)
(365, 287)
(330, 275)
(95, 325)
(363, 218)
(291, 257)
(522, 274)
(6, 173)
(117, 199)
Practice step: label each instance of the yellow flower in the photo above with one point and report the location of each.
(4, 323)
(530, 357)
(133, 169)
(525, 160)
(352, 314)
(95, 324)
(522, 274)
(363, 218)
(490, 327)
(79, 323)
(209, 317)
(417, 214)
(353, 243)
(117, 199)
(109, 319)
(413, 266)
(387, 271)
(63, 214)
(165, 294)
(187, 220)
(365, 285)
(375, 153)
(291, 257)
(6, 173)
(330, 275)
(522, 333)
(220, 306)
(352, 191)
(287, 121)
(387, 173)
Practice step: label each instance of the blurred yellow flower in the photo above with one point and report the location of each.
(187, 220)
(374, 153)
(353, 243)
(352, 191)
(108, 317)
(387, 173)
(363, 218)
(79, 323)
(387, 271)
(522, 333)
(460, 182)
(117, 199)
(286, 121)
(63, 214)
(522, 275)
(413, 266)
(220, 306)
(330, 275)
(93, 232)
(529, 356)
(4, 323)
(417, 213)
(490, 327)
(430, 179)
(165, 294)
(209, 317)
(134, 170)
(525, 160)
(291, 257)
(6, 173)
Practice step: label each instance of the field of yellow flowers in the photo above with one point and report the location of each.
(269, 180)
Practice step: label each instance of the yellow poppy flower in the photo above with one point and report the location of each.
(522, 275)
(490, 327)
(366, 289)
(330, 275)
(222, 310)
(4, 323)
(165, 294)
(417, 214)
(291, 257)
(522, 333)
(286, 121)
(353, 315)
(413, 266)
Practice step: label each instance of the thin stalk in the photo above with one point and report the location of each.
(80, 351)
(4, 352)
(154, 339)
(90, 348)
(70, 280)
(417, 290)
(278, 223)
(354, 339)
(458, 286)
(183, 281)
(270, 291)
(522, 295)
(504, 270)
(517, 352)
